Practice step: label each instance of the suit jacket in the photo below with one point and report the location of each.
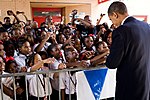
(130, 54)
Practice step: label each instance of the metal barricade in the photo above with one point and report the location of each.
(37, 73)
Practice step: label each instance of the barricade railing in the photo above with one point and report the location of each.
(13, 75)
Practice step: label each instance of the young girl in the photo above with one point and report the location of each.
(36, 64)
(88, 51)
(102, 51)
(11, 67)
(6, 95)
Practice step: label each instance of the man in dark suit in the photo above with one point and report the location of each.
(130, 54)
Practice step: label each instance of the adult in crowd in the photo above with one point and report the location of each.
(7, 23)
(130, 54)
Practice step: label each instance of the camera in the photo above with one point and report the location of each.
(74, 12)
(102, 14)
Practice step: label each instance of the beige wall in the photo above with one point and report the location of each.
(86, 8)
(65, 1)
(90, 7)
(21, 5)
(97, 9)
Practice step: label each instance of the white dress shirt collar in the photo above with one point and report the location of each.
(124, 20)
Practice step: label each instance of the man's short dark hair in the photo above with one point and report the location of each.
(118, 7)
